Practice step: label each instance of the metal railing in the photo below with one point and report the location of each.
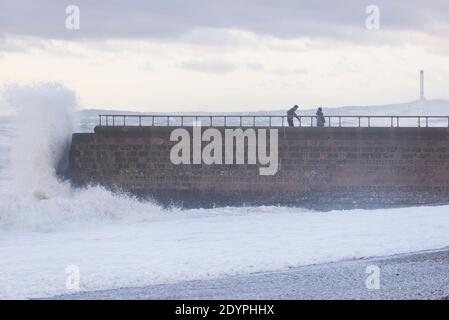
(271, 121)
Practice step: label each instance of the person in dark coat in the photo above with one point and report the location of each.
(292, 114)
(320, 120)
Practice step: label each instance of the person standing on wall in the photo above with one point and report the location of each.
(292, 114)
(320, 120)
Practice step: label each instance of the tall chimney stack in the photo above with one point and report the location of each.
(422, 85)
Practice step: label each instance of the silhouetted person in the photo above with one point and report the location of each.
(320, 120)
(290, 114)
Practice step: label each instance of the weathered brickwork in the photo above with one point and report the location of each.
(321, 168)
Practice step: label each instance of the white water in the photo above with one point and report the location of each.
(116, 241)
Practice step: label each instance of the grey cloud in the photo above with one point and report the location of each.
(148, 66)
(209, 66)
(173, 19)
(289, 72)
(255, 67)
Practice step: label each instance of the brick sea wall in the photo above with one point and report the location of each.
(322, 168)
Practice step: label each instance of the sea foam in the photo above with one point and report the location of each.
(33, 196)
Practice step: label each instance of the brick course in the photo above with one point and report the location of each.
(321, 168)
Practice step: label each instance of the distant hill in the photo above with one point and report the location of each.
(86, 119)
(414, 108)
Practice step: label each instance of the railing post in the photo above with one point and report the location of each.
(254, 121)
(369, 121)
(152, 121)
(329, 121)
(241, 121)
(359, 120)
(269, 122)
(210, 121)
(339, 121)
(140, 121)
(225, 121)
(419, 122)
(427, 122)
(397, 122)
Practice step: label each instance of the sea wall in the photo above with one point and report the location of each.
(321, 168)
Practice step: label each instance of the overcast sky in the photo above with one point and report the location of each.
(177, 55)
